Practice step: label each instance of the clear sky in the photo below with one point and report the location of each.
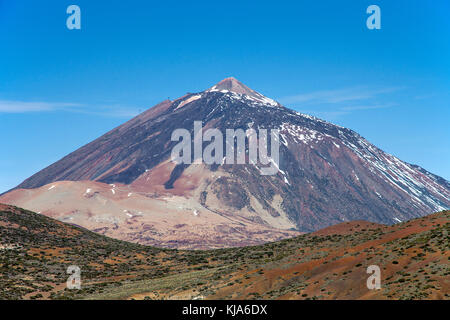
(60, 88)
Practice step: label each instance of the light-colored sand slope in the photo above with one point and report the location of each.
(151, 218)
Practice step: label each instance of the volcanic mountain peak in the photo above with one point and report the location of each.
(235, 86)
(124, 183)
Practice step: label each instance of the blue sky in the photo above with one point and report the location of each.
(60, 88)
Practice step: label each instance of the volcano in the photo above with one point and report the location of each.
(125, 185)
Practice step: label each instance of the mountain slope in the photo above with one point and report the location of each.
(35, 252)
(328, 174)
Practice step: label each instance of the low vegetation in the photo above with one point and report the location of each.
(35, 252)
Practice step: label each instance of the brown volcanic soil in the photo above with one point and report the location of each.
(146, 213)
(413, 258)
(349, 228)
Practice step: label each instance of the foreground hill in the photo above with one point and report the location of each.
(329, 264)
(124, 184)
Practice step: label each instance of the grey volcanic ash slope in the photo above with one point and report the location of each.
(328, 174)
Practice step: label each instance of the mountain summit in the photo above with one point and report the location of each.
(125, 185)
(233, 85)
